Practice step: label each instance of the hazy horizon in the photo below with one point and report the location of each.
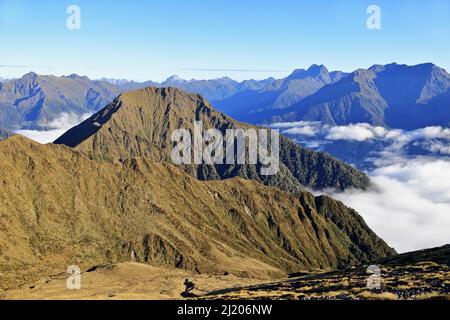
(280, 74)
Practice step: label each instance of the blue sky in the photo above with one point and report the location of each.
(150, 40)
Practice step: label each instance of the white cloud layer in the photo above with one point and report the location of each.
(57, 127)
(411, 208)
(356, 132)
(434, 139)
(410, 204)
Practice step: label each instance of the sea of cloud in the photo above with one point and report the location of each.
(409, 205)
(434, 139)
(56, 128)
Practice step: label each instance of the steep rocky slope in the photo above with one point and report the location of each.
(141, 122)
(58, 207)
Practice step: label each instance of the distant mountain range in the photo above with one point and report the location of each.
(33, 101)
(396, 96)
(215, 89)
(251, 105)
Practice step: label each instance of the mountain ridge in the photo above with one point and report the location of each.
(140, 123)
(88, 212)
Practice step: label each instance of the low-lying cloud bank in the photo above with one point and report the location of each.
(434, 139)
(56, 128)
(409, 206)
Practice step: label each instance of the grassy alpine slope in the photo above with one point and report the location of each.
(58, 207)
